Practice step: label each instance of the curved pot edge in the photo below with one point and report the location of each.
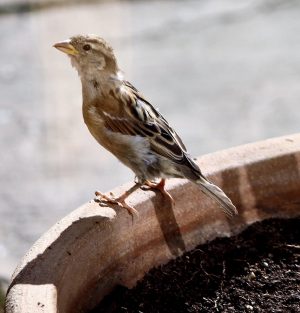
(240, 158)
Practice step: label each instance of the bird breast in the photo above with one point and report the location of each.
(133, 151)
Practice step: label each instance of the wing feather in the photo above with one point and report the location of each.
(140, 118)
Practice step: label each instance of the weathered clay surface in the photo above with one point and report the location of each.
(83, 256)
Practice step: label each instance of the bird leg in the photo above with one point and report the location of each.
(120, 200)
(161, 187)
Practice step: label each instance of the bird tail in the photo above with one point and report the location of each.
(218, 195)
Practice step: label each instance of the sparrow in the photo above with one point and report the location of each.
(121, 120)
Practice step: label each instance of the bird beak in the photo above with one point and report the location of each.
(66, 47)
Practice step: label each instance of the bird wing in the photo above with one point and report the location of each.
(140, 118)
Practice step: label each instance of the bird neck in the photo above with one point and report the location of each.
(98, 86)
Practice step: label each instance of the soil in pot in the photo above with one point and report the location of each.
(255, 271)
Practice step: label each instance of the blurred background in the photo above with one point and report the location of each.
(223, 72)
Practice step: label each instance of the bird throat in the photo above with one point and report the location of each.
(100, 86)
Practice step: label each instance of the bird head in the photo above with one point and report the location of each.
(90, 55)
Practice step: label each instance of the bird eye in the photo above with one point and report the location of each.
(86, 47)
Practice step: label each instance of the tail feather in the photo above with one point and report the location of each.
(218, 195)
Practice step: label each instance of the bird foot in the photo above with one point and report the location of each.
(158, 186)
(120, 201)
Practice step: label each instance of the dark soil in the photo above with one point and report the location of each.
(256, 271)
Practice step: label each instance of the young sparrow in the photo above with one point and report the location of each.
(127, 125)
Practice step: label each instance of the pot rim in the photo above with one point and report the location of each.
(96, 248)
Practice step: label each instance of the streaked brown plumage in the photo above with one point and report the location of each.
(127, 125)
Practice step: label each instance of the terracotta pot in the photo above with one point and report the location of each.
(82, 257)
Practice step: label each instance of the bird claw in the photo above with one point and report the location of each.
(148, 185)
(104, 199)
(100, 197)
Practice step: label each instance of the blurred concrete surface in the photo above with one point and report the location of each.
(223, 72)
